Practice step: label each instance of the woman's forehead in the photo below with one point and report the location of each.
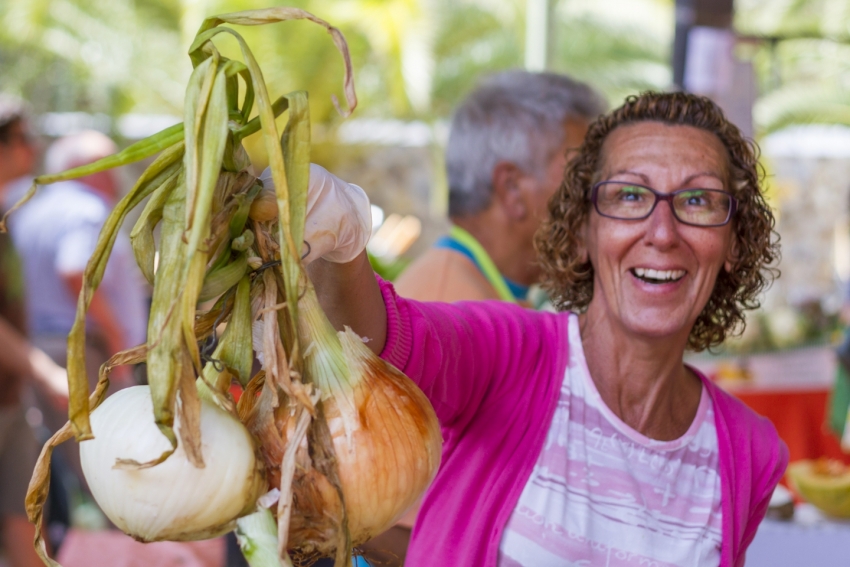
(652, 147)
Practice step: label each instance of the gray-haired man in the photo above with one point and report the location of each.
(509, 142)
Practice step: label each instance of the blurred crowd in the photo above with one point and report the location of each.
(43, 259)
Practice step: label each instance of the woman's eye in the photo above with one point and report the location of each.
(696, 199)
(631, 194)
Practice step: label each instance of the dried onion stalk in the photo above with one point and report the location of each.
(345, 441)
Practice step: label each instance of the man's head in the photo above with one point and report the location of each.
(18, 151)
(83, 148)
(508, 146)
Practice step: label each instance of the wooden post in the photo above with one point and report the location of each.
(538, 34)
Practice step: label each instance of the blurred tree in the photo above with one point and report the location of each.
(619, 46)
(802, 58)
(413, 58)
(475, 38)
(93, 56)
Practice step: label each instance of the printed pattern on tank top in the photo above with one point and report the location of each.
(603, 495)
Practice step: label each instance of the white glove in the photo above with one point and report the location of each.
(339, 217)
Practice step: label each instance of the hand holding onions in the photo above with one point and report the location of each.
(328, 444)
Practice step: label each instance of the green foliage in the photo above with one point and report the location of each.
(619, 55)
(619, 47)
(473, 41)
(388, 269)
(804, 71)
(413, 58)
(93, 56)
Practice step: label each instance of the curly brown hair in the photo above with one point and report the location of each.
(568, 275)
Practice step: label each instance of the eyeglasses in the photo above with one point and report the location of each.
(630, 201)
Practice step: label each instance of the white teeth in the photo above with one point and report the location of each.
(660, 275)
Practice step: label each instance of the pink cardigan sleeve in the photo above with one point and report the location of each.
(462, 354)
(492, 371)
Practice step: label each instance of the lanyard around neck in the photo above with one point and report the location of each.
(484, 262)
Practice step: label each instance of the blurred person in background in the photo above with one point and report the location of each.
(55, 234)
(20, 363)
(509, 142)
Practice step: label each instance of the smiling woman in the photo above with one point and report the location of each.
(582, 437)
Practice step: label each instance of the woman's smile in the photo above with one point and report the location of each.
(658, 283)
(658, 276)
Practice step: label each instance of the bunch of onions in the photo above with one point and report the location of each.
(328, 444)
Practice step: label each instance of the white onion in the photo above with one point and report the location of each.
(173, 500)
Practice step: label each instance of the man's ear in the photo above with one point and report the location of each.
(506, 190)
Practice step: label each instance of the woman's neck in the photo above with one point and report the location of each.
(643, 380)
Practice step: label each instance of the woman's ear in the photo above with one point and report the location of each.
(582, 243)
(733, 256)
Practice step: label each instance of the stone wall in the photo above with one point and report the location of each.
(809, 184)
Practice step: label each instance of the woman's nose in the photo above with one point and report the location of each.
(663, 229)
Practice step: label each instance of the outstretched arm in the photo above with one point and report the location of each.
(458, 354)
(350, 296)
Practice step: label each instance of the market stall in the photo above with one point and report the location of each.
(789, 387)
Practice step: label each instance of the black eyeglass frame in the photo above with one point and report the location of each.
(594, 196)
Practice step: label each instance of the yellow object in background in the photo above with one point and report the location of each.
(825, 483)
(733, 372)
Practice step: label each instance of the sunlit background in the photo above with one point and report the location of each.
(781, 69)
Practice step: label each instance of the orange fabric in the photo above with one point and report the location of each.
(445, 275)
(799, 418)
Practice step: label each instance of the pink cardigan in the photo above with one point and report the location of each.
(493, 371)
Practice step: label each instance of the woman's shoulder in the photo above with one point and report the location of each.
(744, 424)
(737, 414)
(529, 328)
(493, 332)
(487, 312)
(749, 436)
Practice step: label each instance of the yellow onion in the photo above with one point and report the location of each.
(375, 441)
(264, 206)
(174, 500)
(386, 437)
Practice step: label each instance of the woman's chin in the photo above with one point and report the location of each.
(657, 323)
